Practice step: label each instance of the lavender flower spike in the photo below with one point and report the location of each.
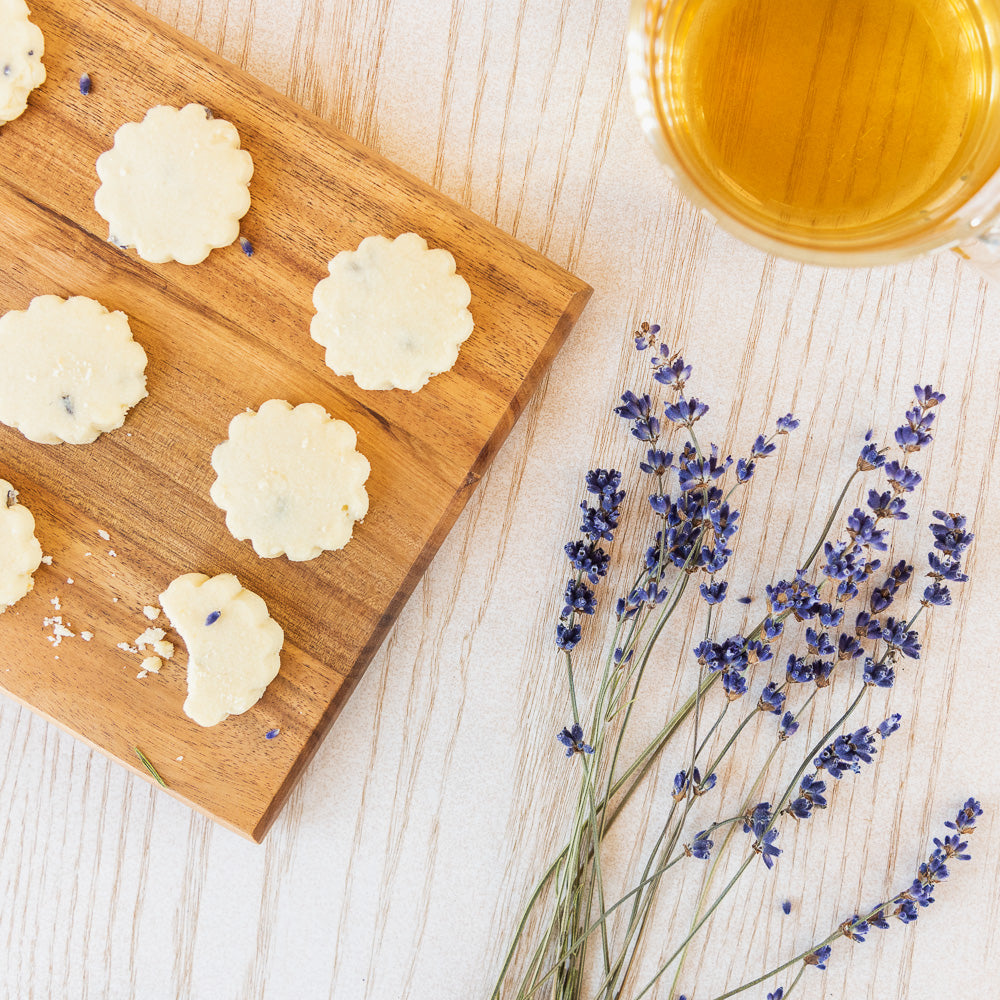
(685, 411)
(701, 847)
(771, 699)
(819, 957)
(927, 397)
(638, 411)
(756, 822)
(714, 593)
(670, 369)
(572, 739)
(871, 457)
(907, 904)
(645, 335)
(847, 753)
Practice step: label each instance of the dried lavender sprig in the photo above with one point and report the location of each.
(871, 457)
(715, 595)
(673, 600)
(765, 828)
(569, 874)
(632, 777)
(588, 558)
(695, 415)
(659, 462)
(746, 806)
(641, 907)
(638, 769)
(648, 879)
(148, 766)
(762, 825)
(929, 873)
(687, 413)
(688, 785)
(704, 851)
(952, 524)
(599, 523)
(770, 823)
(768, 850)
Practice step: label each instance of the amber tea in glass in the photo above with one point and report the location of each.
(840, 131)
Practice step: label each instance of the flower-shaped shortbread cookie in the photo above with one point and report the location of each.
(21, 51)
(290, 480)
(392, 313)
(69, 370)
(233, 644)
(20, 548)
(175, 185)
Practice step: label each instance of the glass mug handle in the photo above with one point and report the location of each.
(983, 252)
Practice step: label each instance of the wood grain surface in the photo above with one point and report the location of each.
(399, 865)
(222, 337)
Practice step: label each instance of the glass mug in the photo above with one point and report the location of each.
(852, 132)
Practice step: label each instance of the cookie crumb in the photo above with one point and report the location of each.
(104, 535)
(164, 649)
(150, 636)
(86, 636)
(151, 612)
(60, 630)
(152, 664)
(47, 560)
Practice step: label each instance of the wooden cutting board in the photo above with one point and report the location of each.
(222, 336)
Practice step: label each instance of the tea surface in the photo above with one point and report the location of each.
(829, 114)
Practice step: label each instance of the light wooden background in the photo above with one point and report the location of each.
(401, 860)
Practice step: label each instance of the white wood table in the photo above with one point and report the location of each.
(401, 861)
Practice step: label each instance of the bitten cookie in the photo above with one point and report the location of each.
(21, 51)
(174, 185)
(233, 644)
(290, 480)
(69, 370)
(21, 551)
(392, 313)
